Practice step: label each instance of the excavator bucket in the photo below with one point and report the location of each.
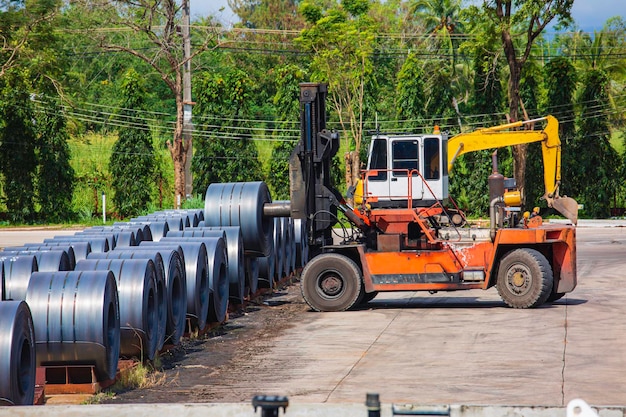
(568, 207)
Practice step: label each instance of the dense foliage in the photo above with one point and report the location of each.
(393, 65)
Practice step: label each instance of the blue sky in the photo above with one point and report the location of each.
(589, 14)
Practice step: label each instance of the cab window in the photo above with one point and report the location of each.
(405, 157)
(431, 159)
(378, 160)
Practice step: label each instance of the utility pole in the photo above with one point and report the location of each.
(187, 103)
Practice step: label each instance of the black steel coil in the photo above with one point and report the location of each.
(98, 244)
(279, 249)
(267, 271)
(138, 299)
(252, 273)
(107, 234)
(142, 230)
(241, 204)
(234, 244)
(63, 264)
(134, 252)
(47, 260)
(217, 268)
(17, 354)
(302, 243)
(17, 271)
(195, 259)
(76, 319)
(137, 233)
(173, 222)
(193, 215)
(80, 249)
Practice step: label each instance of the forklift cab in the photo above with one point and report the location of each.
(407, 167)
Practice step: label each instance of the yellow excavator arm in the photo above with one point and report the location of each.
(500, 136)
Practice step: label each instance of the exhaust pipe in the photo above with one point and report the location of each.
(493, 216)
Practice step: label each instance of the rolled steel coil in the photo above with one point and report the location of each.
(241, 204)
(252, 273)
(80, 250)
(98, 244)
(142, 230)
(134, 252)
(117, 230)
(17, 354)
(196, 264)
(217, 259)
(107, 234)
(234, 244)
(193, 215)
(267, 266)
(17, 273)
(138, 299)
(289, 244)
(173, 222)
(279, 249)
(126, 238)
(47, 260)
(201, 223)
(24, 250)
(302, 243)
(77, 319)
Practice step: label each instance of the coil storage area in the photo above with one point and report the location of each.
(133, 289)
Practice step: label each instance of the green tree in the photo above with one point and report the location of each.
(520, 23)
(342, 40)
(132, 160)
(597, 162)
(287, 105)
(55, 180)
(17, 146)
(226, 153)
(410, 96)
(560, 82)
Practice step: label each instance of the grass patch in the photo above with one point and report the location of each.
(140, 376)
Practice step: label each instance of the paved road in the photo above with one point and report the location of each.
(467, 347)
(461, 347)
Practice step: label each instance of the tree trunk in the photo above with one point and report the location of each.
(348, 161)
(178, 151)
(519, 151)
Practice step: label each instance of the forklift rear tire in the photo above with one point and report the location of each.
(524, 278)
(331, 282)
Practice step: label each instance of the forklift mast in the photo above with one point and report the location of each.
(313, 197)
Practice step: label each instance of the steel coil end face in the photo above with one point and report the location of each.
(17, 353)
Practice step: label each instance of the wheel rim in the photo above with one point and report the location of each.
(330, 284)
(519, 279)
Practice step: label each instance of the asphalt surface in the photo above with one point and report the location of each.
(460, 347)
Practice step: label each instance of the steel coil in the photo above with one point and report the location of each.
(193, 215)
(98, 244)
(267, 270)
(80, 250)
(153, 230)
(302, 244)
(134, 252)
(234, 244)
(138, 299)
(118, 229)
(142, 230)
(17, 354)
(17, 272)
(241, 204)
(289, 244)
(217, 261)
(195, 259)
(69, 251)
(252, 273)
(279, 249)
(47, 260)
(107, 234)
(76, 319)
(173, 222)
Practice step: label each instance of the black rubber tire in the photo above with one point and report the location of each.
(555, 296)
(524, 278)
(331, 282)
(368, 296)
